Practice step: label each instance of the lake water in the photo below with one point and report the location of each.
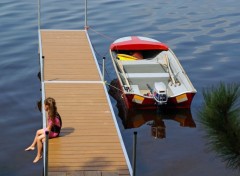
(203, 34)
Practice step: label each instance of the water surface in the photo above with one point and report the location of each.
(203, 34)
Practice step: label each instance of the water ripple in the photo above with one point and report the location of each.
(204, 35)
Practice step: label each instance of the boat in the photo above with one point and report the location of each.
(149, 74)
(157, 119)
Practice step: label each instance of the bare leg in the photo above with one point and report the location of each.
(40, 147)
(32, 146)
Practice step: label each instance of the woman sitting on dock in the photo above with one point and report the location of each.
(53, 126)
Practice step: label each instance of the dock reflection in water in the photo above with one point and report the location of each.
(154, 118)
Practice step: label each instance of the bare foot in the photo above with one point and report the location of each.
(37, 159)
(30, 148)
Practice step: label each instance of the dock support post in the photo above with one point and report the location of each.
(103, 69)
(39, 14)
(46, 154)
(86, 26)
(134, 152)
(42, 75)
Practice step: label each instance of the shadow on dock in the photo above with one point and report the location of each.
(65, 131)
(95, 164)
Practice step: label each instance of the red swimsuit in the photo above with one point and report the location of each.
(51, 123)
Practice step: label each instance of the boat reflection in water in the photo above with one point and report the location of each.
(154, 118)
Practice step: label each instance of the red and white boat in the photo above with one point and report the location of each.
(149, 74)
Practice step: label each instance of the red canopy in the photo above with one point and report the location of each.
(137, 43)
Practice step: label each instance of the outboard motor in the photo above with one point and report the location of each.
(160, 93)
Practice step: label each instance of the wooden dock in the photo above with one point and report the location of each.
(90, 142)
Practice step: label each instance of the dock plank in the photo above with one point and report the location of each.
(72, 44)
(88, 144)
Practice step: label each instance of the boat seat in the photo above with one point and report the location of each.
(155, 61)
(141, 62)
(147, 75)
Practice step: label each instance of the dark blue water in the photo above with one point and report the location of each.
(203, 34)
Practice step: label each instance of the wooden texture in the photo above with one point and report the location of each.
(81, 173)
(68, 56)
(88, 144)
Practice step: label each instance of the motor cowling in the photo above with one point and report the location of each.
(160, 93)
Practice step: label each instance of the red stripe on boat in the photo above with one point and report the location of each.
(138, 43)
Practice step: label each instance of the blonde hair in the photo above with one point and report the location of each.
(52, 107)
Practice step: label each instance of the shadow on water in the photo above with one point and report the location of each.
(155, 119)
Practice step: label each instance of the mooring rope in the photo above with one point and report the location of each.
(103, 35)
(99, 54)
(113, 86)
